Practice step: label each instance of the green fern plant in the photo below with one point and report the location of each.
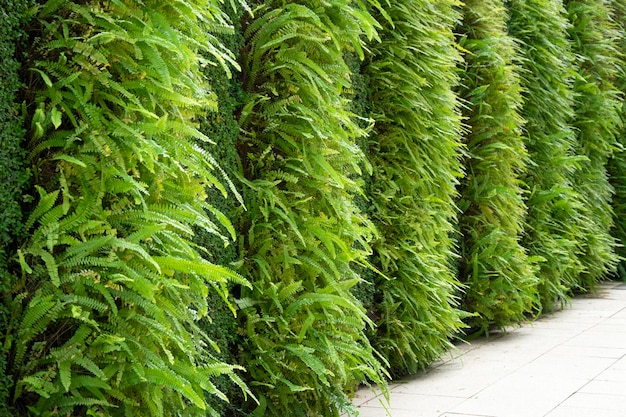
(499, 276)
(597, 122)
(415, 153)
(617, 164)
(109, 286)
(305, 342)
(553, 234)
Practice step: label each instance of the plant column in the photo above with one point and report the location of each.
(305, 330)
(552, 234)
(108, 286)
(499, 276)
(597, 123)
(415, 155)
(617, 165)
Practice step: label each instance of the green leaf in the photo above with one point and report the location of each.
(65, 374)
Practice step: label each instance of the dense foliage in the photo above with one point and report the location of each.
(227, 209)
(110, 287)
(553, 236)
(498, 275)
(617, 165)
(305, 341)
(223, 128)
(415, 157)
(13, 173)
(596, 121)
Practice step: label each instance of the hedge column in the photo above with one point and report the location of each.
(415, 155)
(596, 121)
(500, 277)
(552, 234)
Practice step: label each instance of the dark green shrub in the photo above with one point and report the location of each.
(13, 172)
(365, 291)
(305, 343)
(415, 153)
(499, 277)
(596, 121)
(222, 128)
(553, 234)
(108, 285)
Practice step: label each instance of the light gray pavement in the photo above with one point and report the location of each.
(568, 364)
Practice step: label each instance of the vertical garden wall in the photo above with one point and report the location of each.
(596, 121)
(247, 209)
(617, 165)
(107, 286)
(498, 275)
(305, 341)
(415, 153)
(553, 235)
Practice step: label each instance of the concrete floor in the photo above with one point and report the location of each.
(568, 364)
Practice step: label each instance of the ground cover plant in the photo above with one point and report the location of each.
(499, 277)
(414, 151)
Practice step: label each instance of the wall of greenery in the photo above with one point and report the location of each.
(305, 341)
(13, 171)
(552, 235)
(617, 164)
(249, 208)
(107, 286)
(414, 151)
(597, 122)
(498, 274)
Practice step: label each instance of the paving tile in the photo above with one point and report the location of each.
(375, 412)
(457, 382)
(598, 402)
(584, 316)
(620, 314)
(611, 325)
(464, 415)
(555, 334)
(418, 405)
(592, 338)
(605, 387)
(618, 375)
(577, 367)
(620, 364)
(563, 411)
(554, 321)
(588, 351)
(521, 395)
(364, 394)
(515, 348)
